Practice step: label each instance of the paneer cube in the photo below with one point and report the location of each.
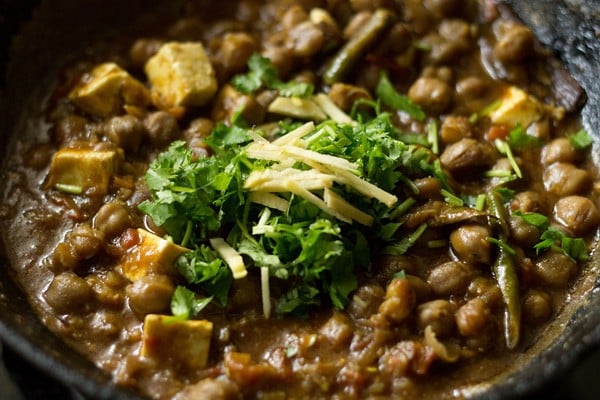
(153, 255)
(82, 171)
(184, 343)
(517, 108)
(106, 89)
(181, 76)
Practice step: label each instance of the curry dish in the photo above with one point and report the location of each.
(305, 199)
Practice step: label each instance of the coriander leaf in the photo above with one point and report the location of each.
(294, 89)
(400, 274)
(518, 139)
(581, 140)
(401, 247)
(262, 73)
(505, 193)
(224, 136)
(185, 305)
(298, 300)
(575, 248)
(538, 220)
(389, 96)
(204, 268)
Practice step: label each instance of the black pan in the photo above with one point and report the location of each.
(570, 28)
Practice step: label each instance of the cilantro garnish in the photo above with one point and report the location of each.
(553, 238)
(184, 303)
(313, 254)
(519, 140)
(389, 96)
(262, 74)
(581, 140)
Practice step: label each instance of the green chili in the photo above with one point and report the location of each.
(505, 272)
(358, 44)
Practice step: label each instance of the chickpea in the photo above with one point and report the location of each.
(443, 8)
(559, 150)
(555, 269)
(455, 128)
(142, 50)
(366, 301)
(399, 301)
(467, 154)
(125, 131)
(439, 314)
(522, 232)
(305, 39)
(529, 201)
(234, 52)
(487, 290)
(344, 95)
(452, 277)
(515, 44)
(112, 219)
(68, 293)
(162, 128)
(578, 214)
(564, 179)
(472, 317)
(470, 243)
(150, 294)
(85, 241)
(537, 306)
(433, 94)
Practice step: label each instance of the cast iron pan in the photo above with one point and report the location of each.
(61, 28)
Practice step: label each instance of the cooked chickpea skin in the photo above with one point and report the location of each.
(433, 94)
(578, 214)
(529, 201)
(112, 219)
(537, 306)
(125, 131)
(366, 300)
(142, 50)
(84, 241)
(233, 53)
(470, 244)
(162, 127)
(466, 154)
(439, 314)
(399, 300)
(559, 150)
(452, 277)
(555, 269)
(150, 294)
(443, 8)
(487, 290)
(472, 317)
(68, 293)
(564, 179)
(522, 232)
(514, 44)
(344, 95)
(455, 128)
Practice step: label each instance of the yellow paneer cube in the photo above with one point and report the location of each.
(517, 108)
(106, 89)
(181, 76)
(82, 171)
(152, 255)
(185, 343)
